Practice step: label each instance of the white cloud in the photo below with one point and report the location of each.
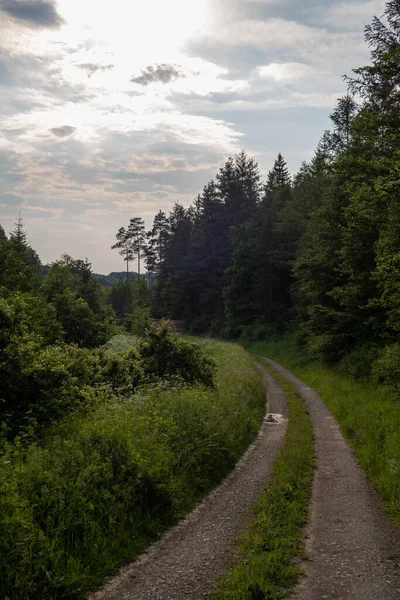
(286, 71)
(354, 15)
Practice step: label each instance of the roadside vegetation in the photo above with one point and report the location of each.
(89, 493)
(367, 409)
(266, 569)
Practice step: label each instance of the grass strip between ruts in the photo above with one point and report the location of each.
(266, 568)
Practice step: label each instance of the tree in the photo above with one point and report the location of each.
(150, 257)
(125, 246)
(170, 297)
(342, 118)
(158, 238)
(238, 184)
(378, 84)
(272, 258)
(278, 176)
(3, 237)
(21, 268)
(136, 232)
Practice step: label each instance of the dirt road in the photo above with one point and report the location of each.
(188, 562)
(353, 547)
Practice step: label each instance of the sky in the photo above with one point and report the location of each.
(112, 110)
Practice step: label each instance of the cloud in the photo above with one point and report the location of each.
(39, 13)
(354, 15)
(64, 131)
(159, 74)
(286, 71)
(92, 68)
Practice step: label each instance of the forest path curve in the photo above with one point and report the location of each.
(352, 546)
(189, 560)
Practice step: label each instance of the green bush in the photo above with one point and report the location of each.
(358, 363)
(386, 368)
(165, 355)
(103, 483)
(139, 322)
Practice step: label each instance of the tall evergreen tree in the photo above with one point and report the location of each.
(342, 118)
(273, 281)
(137, 235)
(278, 176)
(124, 245)
(157, 239)
(3, 237)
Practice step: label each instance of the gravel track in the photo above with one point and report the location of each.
(188, 561)
(353, 547)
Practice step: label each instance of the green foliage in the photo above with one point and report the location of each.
(386, 368)
(45, 381)
(20, 265)
(101, 484)
(139, 321)
(265, 569)
(165, 355)
(125, 297)
(80, 302)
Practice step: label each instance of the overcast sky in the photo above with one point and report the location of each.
(115, 109)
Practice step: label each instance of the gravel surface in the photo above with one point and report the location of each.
(188, 562)
(353, 547)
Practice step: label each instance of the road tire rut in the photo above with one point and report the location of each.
(188, 561)
(353, 547)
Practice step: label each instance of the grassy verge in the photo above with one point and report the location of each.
(102, 485)
(266, 568)
(369, 416)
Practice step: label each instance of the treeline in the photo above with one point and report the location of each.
(53, 319)
(318, 252)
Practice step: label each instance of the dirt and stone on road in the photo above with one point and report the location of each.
(353, 547)
(189, 561)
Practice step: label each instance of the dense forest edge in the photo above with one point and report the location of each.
(107, 416)
(316, 253)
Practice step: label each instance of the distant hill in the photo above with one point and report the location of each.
(112, 278)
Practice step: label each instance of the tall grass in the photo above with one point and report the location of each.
(93, 494)
(368, 414)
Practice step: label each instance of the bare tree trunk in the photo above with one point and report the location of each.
(139, 282)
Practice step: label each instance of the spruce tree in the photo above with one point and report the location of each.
(3, 237)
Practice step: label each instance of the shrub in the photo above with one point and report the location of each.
(386, 368)
(139, 322)
(165, 355)
(358, 363)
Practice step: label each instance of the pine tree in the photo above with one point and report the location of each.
(158, 239)
(378, 84)
(239, 187)
(279, 176)
(342, 118)
(137, 235)
(271, 264)
(3, 237)
(125, 246)
(18, 235)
